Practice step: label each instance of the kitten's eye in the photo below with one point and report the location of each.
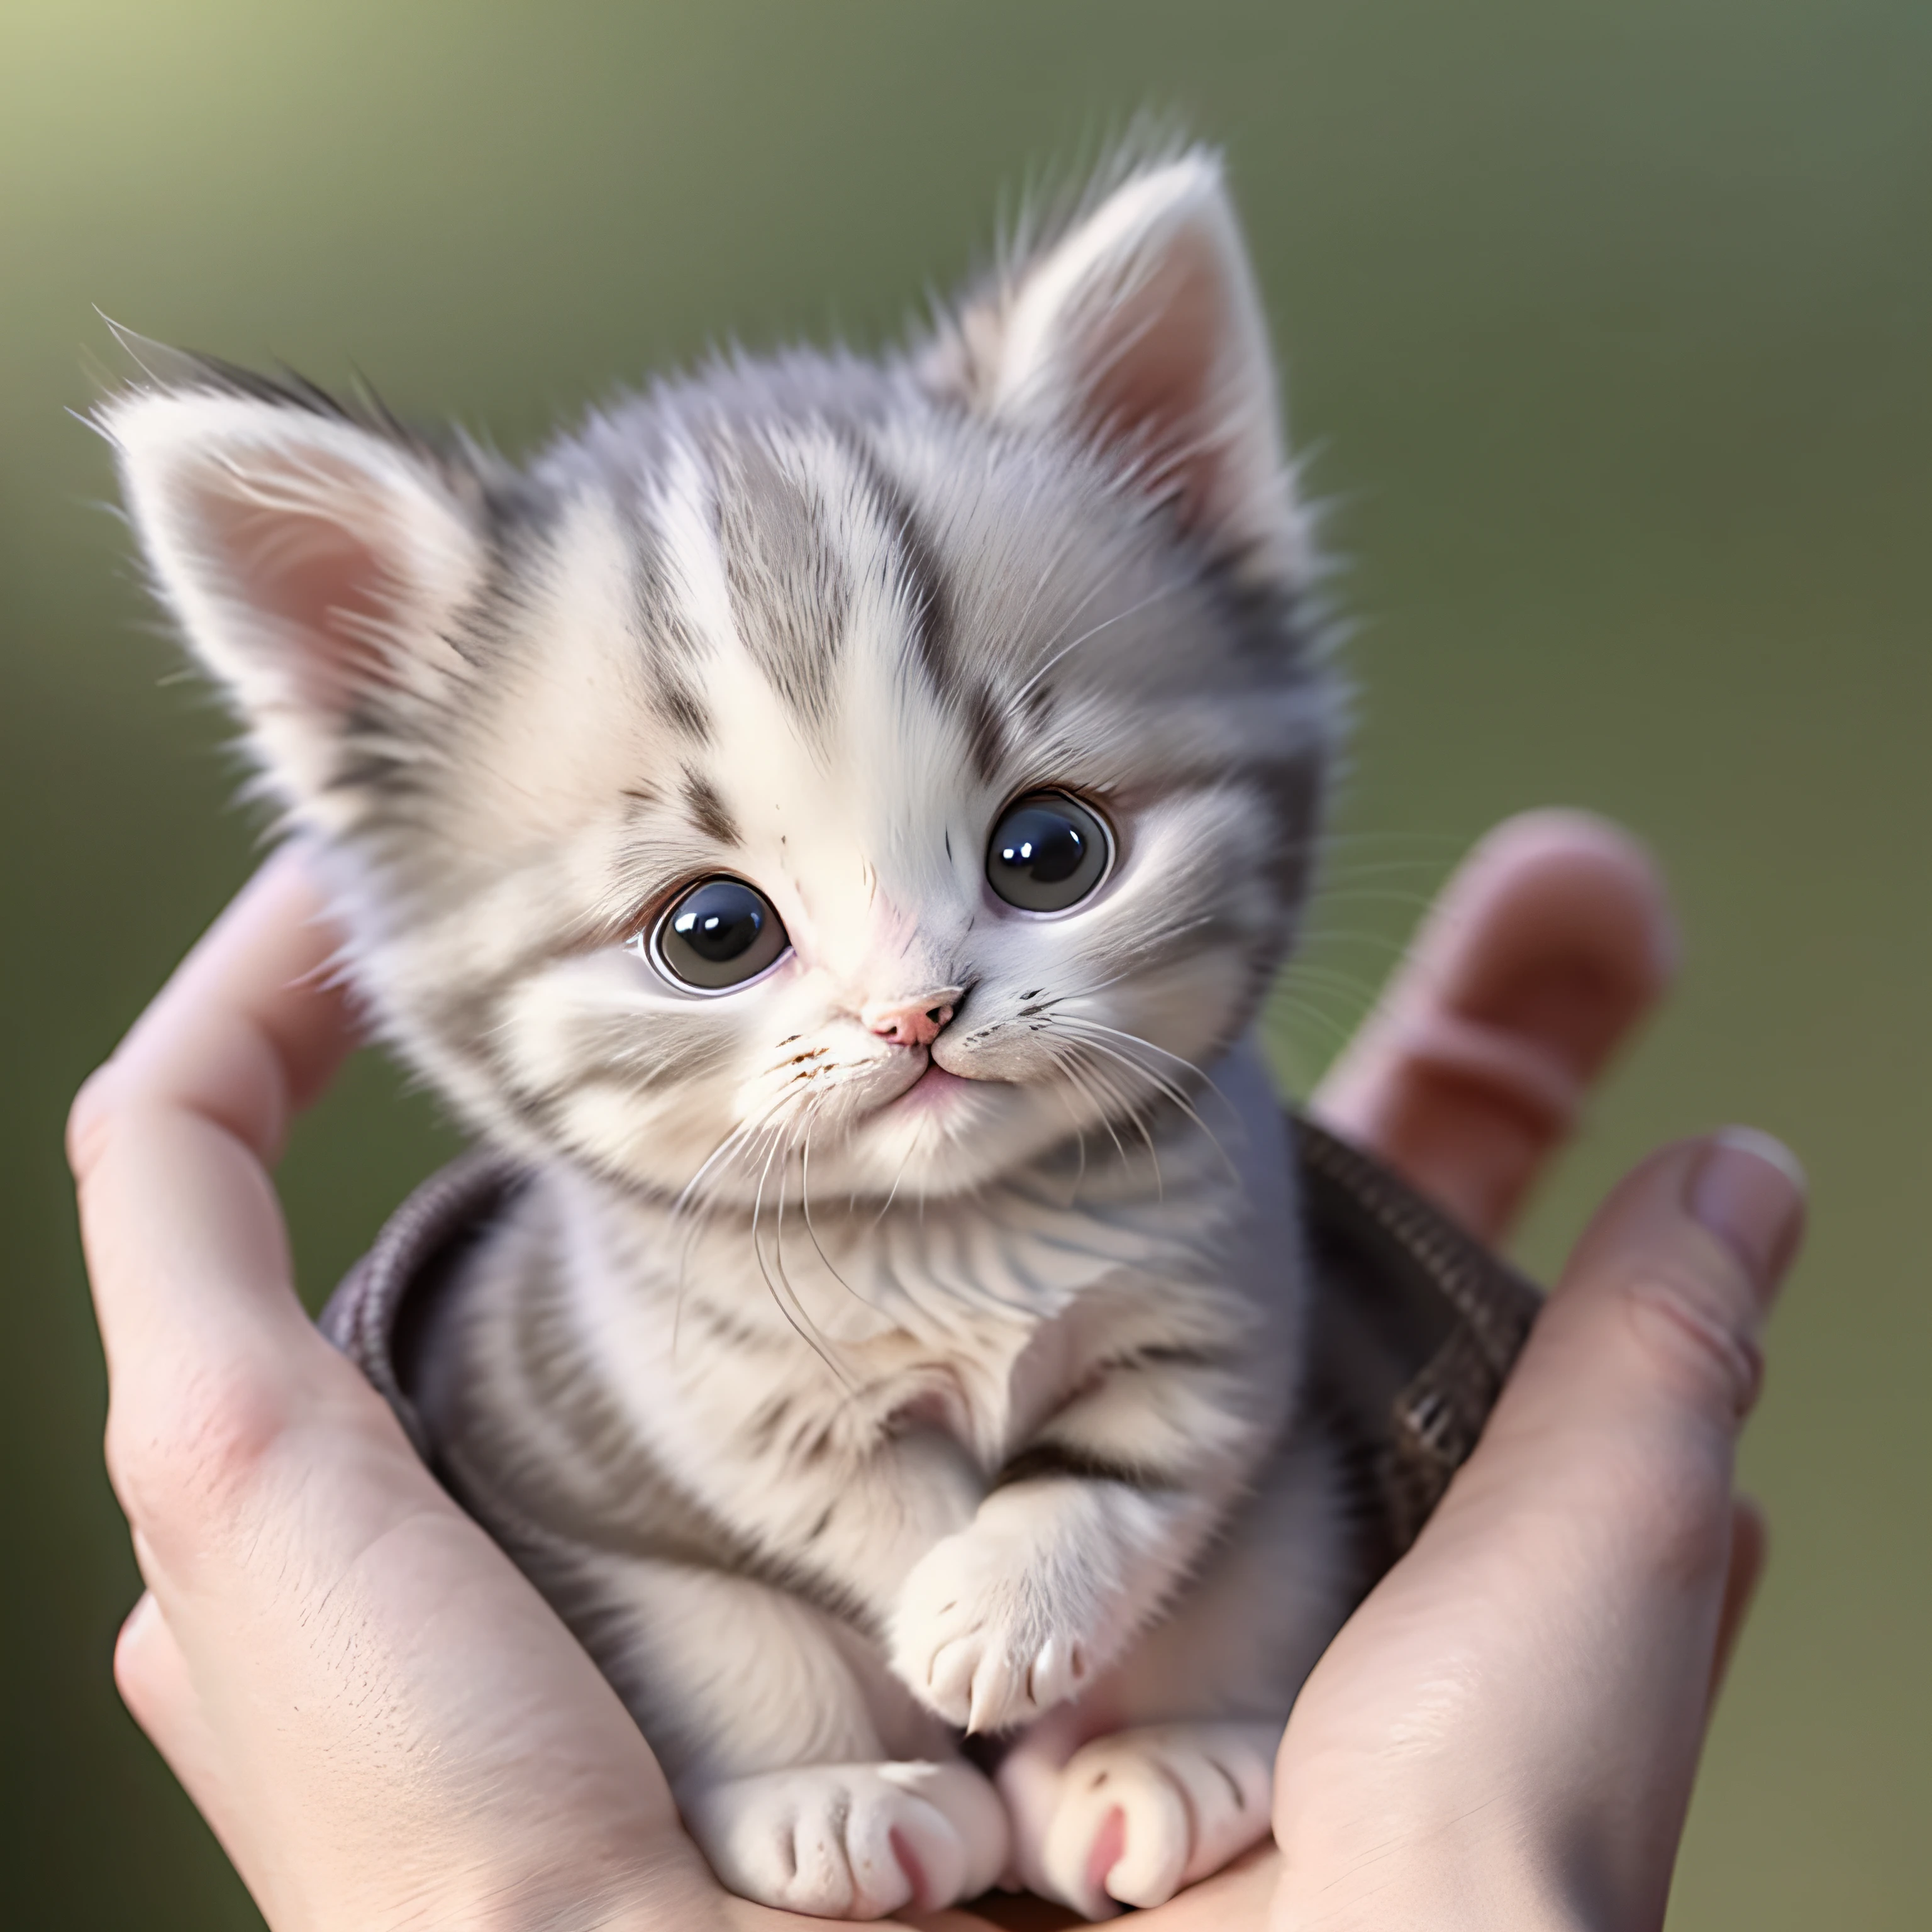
(721, 933)
(1047, 853)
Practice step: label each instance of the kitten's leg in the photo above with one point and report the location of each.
(852, 1841)
(1083, 1536)
(1137, 1814)
(809, 1777)
(1165, 1772)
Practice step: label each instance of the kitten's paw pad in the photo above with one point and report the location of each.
(852, 1841)
(1142, 1813)
(974, 1636)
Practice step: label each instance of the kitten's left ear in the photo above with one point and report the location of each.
(1139, 327)
(316, 560)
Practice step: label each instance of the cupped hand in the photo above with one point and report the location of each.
(382, 1721)
(386, 1726)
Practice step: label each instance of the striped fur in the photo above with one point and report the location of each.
(840, 1408)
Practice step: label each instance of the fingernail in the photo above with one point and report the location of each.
(1750, 1191)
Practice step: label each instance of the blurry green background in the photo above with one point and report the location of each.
(1609, 330)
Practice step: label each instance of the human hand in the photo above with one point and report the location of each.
(382, 1720)
(320, 1618)
(1505, 1732)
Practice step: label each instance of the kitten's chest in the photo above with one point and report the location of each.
(968, 1321)
(969, 1326)
(838, 1396)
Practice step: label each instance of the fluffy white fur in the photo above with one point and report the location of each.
(849, 1393)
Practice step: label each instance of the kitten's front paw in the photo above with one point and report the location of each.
(852, 1841)
(1141, 1813)
(978, 1636)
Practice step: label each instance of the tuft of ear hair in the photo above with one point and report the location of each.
(1136, 325)
(315, 556)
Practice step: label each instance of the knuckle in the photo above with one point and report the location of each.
(136, 1663)
(1697, 1334)
(1676, 1509)
(92, 1119)
(186, 1463)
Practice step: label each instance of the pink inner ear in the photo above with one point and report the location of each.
(302, 566)
(1153, 359)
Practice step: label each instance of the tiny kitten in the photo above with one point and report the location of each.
(835, 821)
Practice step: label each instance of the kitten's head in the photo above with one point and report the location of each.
(919, 761)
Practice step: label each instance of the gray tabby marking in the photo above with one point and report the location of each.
(901, 1335)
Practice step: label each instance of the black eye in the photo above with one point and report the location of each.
(721, 933)
(1047, 853)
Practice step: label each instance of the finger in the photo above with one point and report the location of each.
(1595, 1518)
(1650, 1345)
(251, 1026)
(1546, 1650)
(1750, 1545)
(153, 1678)
(169, 1140)
(1546, 947)
(212, 1359)
(326, 1613)
(1536, 1672)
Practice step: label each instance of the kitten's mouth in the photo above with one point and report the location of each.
(933, 1088)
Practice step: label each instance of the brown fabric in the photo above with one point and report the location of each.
(1416, 1324)
(374, 1314)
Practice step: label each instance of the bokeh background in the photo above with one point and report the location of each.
(1608, 327)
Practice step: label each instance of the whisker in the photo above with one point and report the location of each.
(805, 1209)
(778, 1243)
(1119, 617)
(1411, 901)
(1353, 985)
(1079, 610)
(1137, 1040)
(1079, 1136)
(1092, 1054)
(1441, 840)
(1176, 1096)
(1061, 553)
(1347, 861)
(1285, 1000)
(1064, 1061)
(1146, 945)
(1093, 1036)
(723, 1149)
(892, 1191)
(799, 1326)
(733, 1143)
(1136, 1116)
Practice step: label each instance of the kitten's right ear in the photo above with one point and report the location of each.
(315, 562)
(1137, 328)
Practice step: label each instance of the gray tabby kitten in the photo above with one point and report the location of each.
(823, 816)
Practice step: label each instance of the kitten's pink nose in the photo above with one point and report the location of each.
(914, 1022)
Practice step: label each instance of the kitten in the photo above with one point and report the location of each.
(823, 816)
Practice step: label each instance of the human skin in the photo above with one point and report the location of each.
(387, 1727)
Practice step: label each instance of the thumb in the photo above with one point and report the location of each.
(1523, 1696)
(1651, 1343)
(1601, 1488)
